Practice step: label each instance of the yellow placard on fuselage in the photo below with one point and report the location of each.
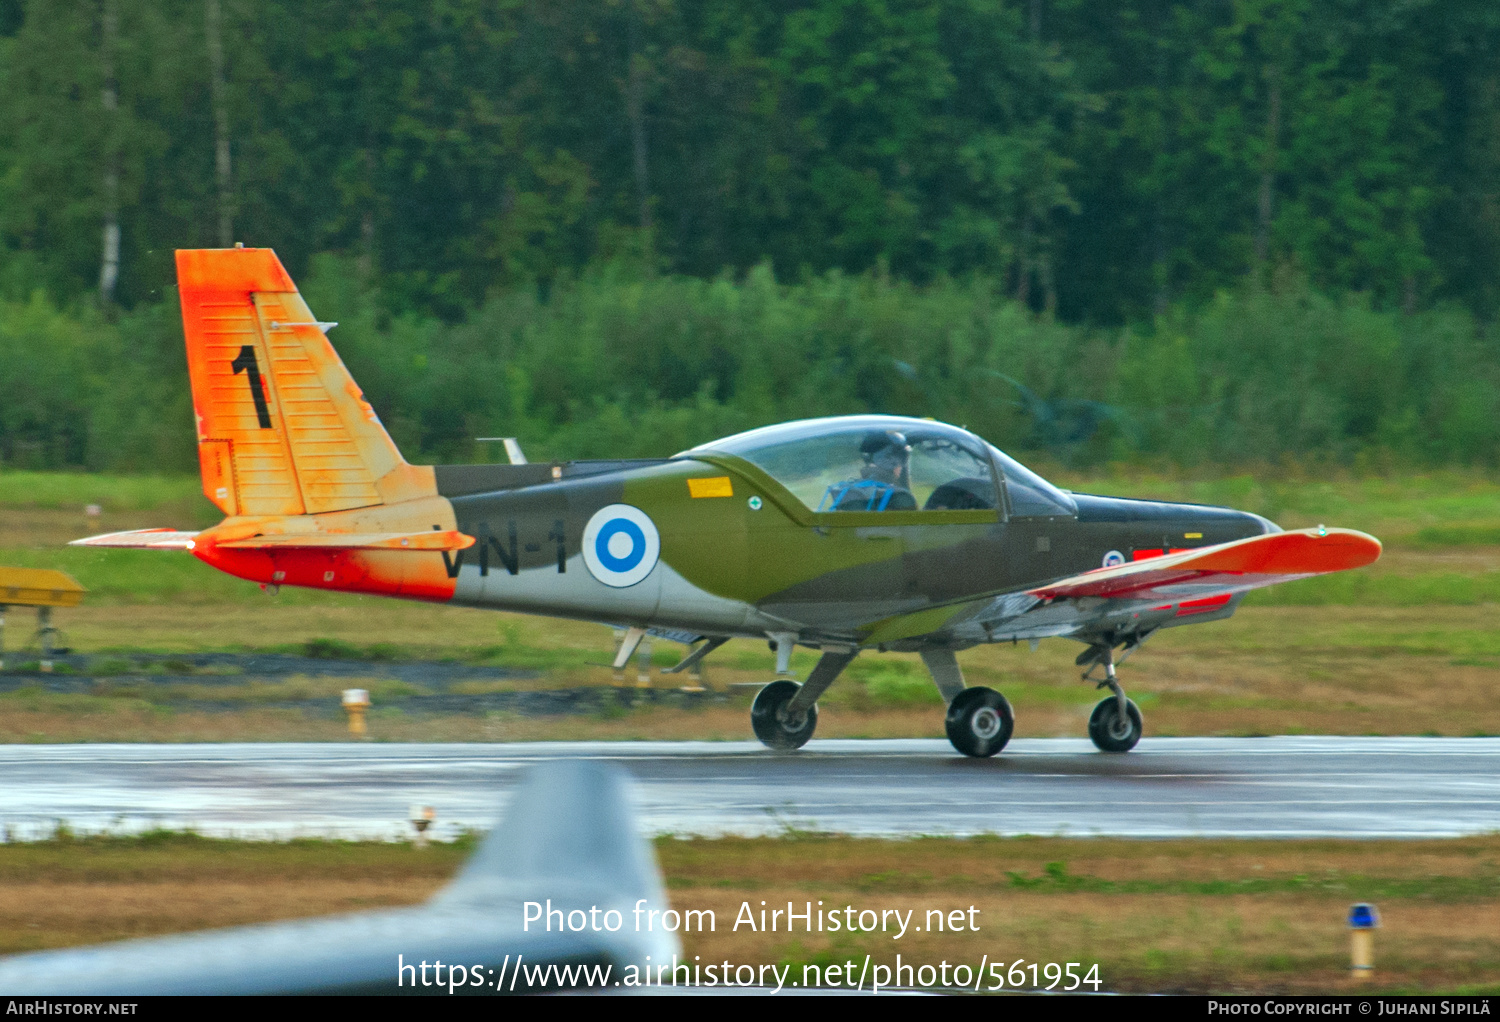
(717, 486)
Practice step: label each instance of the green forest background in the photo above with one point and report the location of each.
(1204, 234)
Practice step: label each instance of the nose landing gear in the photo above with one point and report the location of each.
(1110, 730)
(1116, 724)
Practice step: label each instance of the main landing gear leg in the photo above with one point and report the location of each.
(785, 714)
(980, 720)
(1115, 725)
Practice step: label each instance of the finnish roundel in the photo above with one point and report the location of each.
(620, 545)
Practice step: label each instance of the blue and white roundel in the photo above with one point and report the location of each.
(620, 545)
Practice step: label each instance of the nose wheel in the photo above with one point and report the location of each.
(1110, 730)
(979, 722)
(1115, 725)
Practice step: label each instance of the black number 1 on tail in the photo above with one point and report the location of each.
(246, 363)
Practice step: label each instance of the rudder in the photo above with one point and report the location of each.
(283, 429)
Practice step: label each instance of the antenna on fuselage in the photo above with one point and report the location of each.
(512, 447)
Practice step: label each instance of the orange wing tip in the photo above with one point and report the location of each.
(1274, 557)
(1300, 552)
(415, 541)
(140, 539)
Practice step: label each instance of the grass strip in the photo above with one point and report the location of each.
(1185, 915)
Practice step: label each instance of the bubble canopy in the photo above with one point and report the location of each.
(891, 463)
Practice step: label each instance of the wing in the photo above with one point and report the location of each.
(1192, 585)
(1223, 570)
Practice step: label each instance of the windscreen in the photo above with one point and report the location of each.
(1030, 495)
(871, 463)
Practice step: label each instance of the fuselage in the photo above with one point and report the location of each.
(750, 557)
(727, 539)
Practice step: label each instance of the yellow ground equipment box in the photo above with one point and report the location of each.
(42, 588)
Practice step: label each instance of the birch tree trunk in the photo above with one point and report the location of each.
(109, 266)
(213, 24)
(1268, 169)
(635, 110)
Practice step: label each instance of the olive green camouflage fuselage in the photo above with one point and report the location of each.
(751, 559)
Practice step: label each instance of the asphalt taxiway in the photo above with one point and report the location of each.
(1168, 787)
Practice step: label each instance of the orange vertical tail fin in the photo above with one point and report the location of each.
(283, 429)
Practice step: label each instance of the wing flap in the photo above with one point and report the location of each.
(450, 539)
(1223, 569)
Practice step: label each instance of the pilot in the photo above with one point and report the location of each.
(883, 479)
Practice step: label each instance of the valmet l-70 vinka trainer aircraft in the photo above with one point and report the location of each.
(845, 535)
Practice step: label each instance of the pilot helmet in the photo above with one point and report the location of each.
(885, 449)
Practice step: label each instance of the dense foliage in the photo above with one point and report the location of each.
(1232, 231)
(620, 362)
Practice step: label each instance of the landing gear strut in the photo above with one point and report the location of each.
(785, 714)
(1115, 725)
(774, 725)
(980, 720)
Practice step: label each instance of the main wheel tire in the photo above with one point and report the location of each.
(769, 719)
(1108, 732)
(979, 721)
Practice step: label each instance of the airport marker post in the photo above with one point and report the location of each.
(421, 818)
(1363, 919)
(46, 633)
(356, 702)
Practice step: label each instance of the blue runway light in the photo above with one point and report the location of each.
(1363, 916)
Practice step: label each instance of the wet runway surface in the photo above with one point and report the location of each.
(1168, 787)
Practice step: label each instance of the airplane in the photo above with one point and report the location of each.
(848, 535)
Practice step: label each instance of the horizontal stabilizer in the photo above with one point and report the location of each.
(1235, 567)
(141, 539)
(436, 540)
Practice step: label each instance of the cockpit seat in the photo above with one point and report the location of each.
(868, 495)
(969, 493)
